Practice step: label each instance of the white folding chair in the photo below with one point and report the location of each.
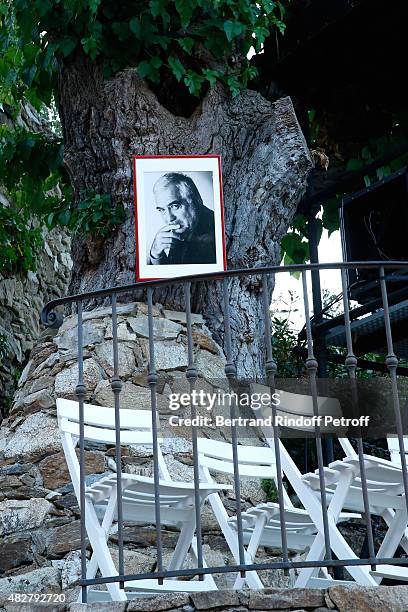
(295, 405)
(344, 492)
(385, 500)
(261, 524)
(177, 502)
(394, 449)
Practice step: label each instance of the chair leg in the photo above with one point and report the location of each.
(252, 579)
(183, 545)
(208, 581)
(316, 553)
(394, 535)
(252, 548)
(185, 541)
(107, 520)
(97, 539)
(339, 546)
(342, 550)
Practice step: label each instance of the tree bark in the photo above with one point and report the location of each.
(265, 164)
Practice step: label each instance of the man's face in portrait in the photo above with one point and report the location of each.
(175, 210)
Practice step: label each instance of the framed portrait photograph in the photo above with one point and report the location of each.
(179, 216)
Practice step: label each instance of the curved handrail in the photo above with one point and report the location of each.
(50, 318)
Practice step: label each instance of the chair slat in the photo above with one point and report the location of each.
(247, 471)
(101, 416)
(246, 454)
(107, 436)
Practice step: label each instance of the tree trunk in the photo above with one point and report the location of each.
(265, 164)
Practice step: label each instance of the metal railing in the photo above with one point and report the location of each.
(51, 318)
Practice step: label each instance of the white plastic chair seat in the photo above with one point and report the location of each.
(384, 482)
(140, 489)
(176, 499)
(296, 519)
(299, 527)
(393, 572)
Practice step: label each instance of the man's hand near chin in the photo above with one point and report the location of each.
(165, 240)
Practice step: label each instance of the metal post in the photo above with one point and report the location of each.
(392, 364)
(319, 343)
(311, 366)
(80, 391)
(270, 367)
(191, 375)
(351, 365)
(231, 373)
(116, 385)
(152, 381)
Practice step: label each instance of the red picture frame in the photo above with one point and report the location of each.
(205, 172)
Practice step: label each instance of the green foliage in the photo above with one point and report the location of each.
(284, 340)
(295, 245)
(30, 168)
(156, 37)
(295, 249)
(38, 36)
(197, 41)
(376, 148)
(94, 215)
(32, 173)
(270, 489)
(18, 242)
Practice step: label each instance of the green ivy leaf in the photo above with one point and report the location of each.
(144, 69)
(67, 45)
(234, 85)
(186, 44)
(268, 6)
(194, 82)
(233, 29)
(93, 6)
(299, 222)
(330, 216)
(211, 75)
(176, 67)
(30, 52)
(134, 25)
(91, 47)
(353, 165)
(260, 34)
(185, 10)
(295, 248)
(64, 217)
(150, 69)
(158, 9)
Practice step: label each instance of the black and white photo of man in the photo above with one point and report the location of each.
(179, 215)
(187, 235)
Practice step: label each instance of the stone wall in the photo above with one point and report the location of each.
(39, 514)
(21, 300)
(338, 598)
